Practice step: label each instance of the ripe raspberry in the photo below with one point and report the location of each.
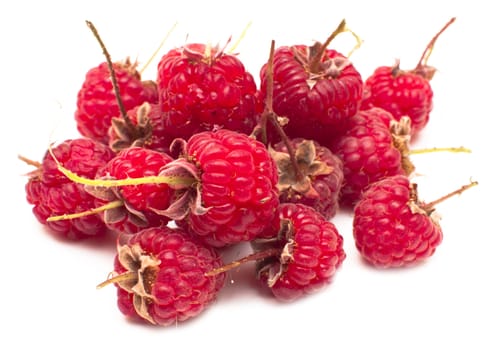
(311, 252)
(368, 153)
(316, 88)
(301, 257)
(96, 100)
(404, 92)
(160, 276)
(202, 88)
(52, 194)
(140, 202)
(401, 93)
(392, 227)
(147, 129)
(316, 178)
(235, 194)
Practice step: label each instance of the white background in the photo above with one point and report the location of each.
(48, 289)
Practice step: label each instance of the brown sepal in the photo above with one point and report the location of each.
(309, 167)
(129, 135)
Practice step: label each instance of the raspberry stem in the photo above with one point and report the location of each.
(157, 50)
(241, 37)
(267, 253)
(430, 206)
(169, 180)
(358, 43)
(132, 128)
(314, 65)
(269, 115)
(110, 205)
(460, 149)
(29, 161)
(127, 276)
(428, 50)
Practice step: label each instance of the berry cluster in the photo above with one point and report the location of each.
(202, 159)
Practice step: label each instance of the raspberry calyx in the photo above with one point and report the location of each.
(130, 135)
(313, 60)
(308, 166)
(141, 270)
(401, 134)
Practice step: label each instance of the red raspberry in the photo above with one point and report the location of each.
(96, 100)
(202, 88)
(368, 153)
(401, 93)
(392, 227)
(404, 92)
(301, 257)
(311, 252)
(52, 193)
(140, 202)
(147, 129)
(235, 194)
(316, 88)
(314, 180)
(160, 276)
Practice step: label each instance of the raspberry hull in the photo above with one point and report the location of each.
(316, 182)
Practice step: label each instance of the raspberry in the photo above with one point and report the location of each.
(51, 193)
(140, 202)
(316, 88)
(302, 256)
(368, 153)
(392, 227)
(160, 276)
(236, 185)
(202, 88)
(146, 128)
(316, 178)
(404, 92)
(96, 99)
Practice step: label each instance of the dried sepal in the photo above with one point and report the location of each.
(274, 267)
(308, 166)
(128, 135)
(140, 275)
(401, 133)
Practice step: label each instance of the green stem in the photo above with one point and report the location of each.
(441, 149)
(110, 205)
(169, 180)
(315, 63)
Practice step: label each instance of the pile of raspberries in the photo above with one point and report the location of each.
(201, 159)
